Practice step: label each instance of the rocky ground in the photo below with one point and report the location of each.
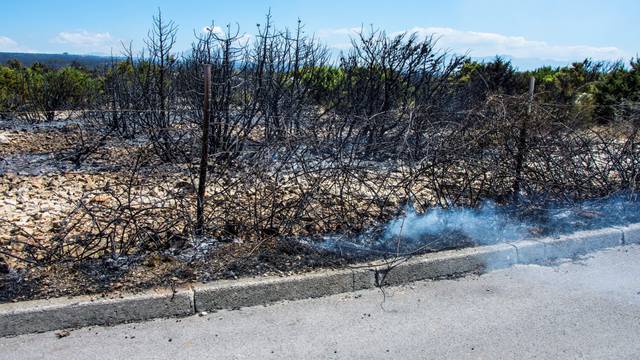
(41, 186)
(64, 218)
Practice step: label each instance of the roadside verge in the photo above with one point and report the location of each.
(53, 314)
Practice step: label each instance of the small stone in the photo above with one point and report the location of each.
(10, 202)
(100, 198)
(62, 333)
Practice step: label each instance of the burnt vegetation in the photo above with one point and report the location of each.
(301, 143)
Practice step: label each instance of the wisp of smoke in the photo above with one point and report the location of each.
(483, 225)
(439, 228)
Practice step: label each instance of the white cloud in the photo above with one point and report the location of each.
(323, 33)
(86, 41)
(483, 44)
(216, 30)
(490, 44)
(9, 45)
(242, 38)
(338, 38)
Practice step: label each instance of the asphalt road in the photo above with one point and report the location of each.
(584, 309)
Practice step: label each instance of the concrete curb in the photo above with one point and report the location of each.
(570, 246)
(230, 294)
(446, 263)
(631, 234)
(46, 315)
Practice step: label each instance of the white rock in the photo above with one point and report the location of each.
(10, 202)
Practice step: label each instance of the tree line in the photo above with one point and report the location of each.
(285, 62)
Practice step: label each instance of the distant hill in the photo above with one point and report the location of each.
(55, 60)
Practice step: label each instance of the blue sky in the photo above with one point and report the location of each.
(547, 31)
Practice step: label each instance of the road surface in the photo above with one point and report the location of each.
(584, 309)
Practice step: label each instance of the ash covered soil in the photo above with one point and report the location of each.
(41, 186)
(44, 185)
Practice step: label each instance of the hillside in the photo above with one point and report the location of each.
(55, 60)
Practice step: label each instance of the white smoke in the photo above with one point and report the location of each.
(440, 228)
(484, 225)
